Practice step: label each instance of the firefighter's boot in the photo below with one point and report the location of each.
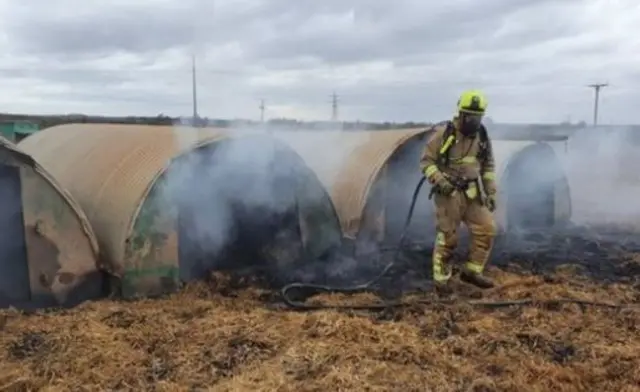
(472, 274)
(443, 287)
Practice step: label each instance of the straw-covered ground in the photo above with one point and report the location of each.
(211, 337)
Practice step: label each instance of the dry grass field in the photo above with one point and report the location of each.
(216, 337)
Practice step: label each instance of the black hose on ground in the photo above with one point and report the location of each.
(360, 288)
(301, 306)
(317, 288)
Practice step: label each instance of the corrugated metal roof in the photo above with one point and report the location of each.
(505, 152)
(17, 152)
(27, 159)
(110, 167)
(348, 163)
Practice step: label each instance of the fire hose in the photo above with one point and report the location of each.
(367, 286)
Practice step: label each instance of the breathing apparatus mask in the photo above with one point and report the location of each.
(470, 123)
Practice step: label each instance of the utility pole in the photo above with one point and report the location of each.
(334, 107)
(194, 89)
(262, 107)
(596, 87)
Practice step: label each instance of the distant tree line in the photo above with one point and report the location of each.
(280, 123)
(161, 119)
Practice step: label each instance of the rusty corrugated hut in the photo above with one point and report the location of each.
(371, 176)
(533, 184)
(48, 251)
(167, 203)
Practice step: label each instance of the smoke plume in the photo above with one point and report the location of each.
(602, 167)
(248, 201)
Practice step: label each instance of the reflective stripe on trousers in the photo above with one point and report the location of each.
(450, 212)
(441, 269)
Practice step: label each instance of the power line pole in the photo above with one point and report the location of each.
(596, 87)
(334, 107)
(262, 107)
(194, 89)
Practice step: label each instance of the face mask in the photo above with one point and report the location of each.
(470, 124)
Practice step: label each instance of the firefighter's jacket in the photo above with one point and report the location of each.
(465, 159)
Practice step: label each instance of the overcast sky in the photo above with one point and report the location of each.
(393, 60)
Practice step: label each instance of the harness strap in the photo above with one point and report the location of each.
(449, 138)
(443, 158)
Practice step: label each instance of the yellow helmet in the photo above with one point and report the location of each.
(472, 102)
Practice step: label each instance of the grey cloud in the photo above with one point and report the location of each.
(67, 75)
(436, 49)
(273, 29)
(99, 35)
(136, 28)
(404, 30)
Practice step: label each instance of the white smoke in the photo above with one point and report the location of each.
(241, 183)
(599, 166)
(327, 151)
(602, 167)
(532, 184)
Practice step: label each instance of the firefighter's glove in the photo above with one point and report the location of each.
(491, 202)
(445, 187)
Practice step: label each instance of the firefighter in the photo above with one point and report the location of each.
(457, 159)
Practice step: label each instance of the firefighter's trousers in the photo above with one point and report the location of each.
(450, 212)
